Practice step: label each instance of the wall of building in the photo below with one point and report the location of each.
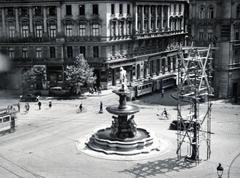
(220, 30)
(147, 34)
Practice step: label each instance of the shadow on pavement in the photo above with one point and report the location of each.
(154, 168)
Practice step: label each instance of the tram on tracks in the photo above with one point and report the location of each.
(155, 84)
(7, 120)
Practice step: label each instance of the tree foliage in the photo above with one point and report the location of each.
(30, 77)
(79, 73)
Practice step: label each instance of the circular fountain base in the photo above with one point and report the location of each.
(102, 141)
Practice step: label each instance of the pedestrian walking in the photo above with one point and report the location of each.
(39, 105)
(27, 107)
(80, 107)
(19, 107)
(162, 93)
(165, 114)
(101, 107)
(50, 104)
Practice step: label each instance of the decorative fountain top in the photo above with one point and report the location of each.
(122, 108)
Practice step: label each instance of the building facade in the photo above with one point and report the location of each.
(141, 36)
(218, 22)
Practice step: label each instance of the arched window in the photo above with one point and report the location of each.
(238, 11)
(95, 29)
(52, 29)
(202, 12)
(210, 12)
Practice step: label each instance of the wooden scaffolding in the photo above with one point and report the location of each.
(194, 106)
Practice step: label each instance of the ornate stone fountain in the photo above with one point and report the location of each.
(123, 137)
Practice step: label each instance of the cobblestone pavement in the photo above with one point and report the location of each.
(44, 143)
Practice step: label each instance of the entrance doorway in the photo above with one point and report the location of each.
(235, 92)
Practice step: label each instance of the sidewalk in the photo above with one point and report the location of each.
(102, 93)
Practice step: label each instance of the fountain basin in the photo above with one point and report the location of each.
(127, 110)
(102, 141)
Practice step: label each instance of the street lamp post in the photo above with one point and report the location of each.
(220, 170)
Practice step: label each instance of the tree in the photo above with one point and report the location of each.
(79, 73)
(33, 78)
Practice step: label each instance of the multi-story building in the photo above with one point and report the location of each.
(141, 36)
(218, 22)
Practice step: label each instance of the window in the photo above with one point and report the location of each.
(52, 31)
(24, 11)
(39, 31)
(82, 10)
(201, 36)
(174, 8)
(11, 31)
(121, 48)
(128, 9)
(95, 51)
(95, 30)
(38, 11)
(153, 11)
(236, 35)
(145, 11)
(83, 50)
(82, 30)
(68, 10)
(180, 8)
(25, 31)
(68, 31)
(69, 51)
(210, 12)
(113, 51)
(25, 53)
(210, 36)
(202, 12)
(120, 9)
(121, 29)
(52, 11)
(11, 53)
(112, 9)
(39, 53)
(52, 52)
(128, 28)
(95, 9)
(113, 28)
(10, 12)
(238, 11)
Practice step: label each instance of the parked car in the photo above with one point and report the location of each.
(185, 124)
(28, 98)
(59, 91)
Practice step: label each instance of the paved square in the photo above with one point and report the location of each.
(44, 143)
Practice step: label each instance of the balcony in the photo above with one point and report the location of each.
(36, 61)
(158, 34)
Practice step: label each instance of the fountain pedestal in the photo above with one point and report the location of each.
(123, 137)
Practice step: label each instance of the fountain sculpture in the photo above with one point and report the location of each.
(123, 137)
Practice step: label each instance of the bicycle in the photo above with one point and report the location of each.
(163, 116)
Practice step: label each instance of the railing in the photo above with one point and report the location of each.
(37, 61)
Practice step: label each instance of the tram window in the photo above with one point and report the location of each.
(0, 120)
(6, 119)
